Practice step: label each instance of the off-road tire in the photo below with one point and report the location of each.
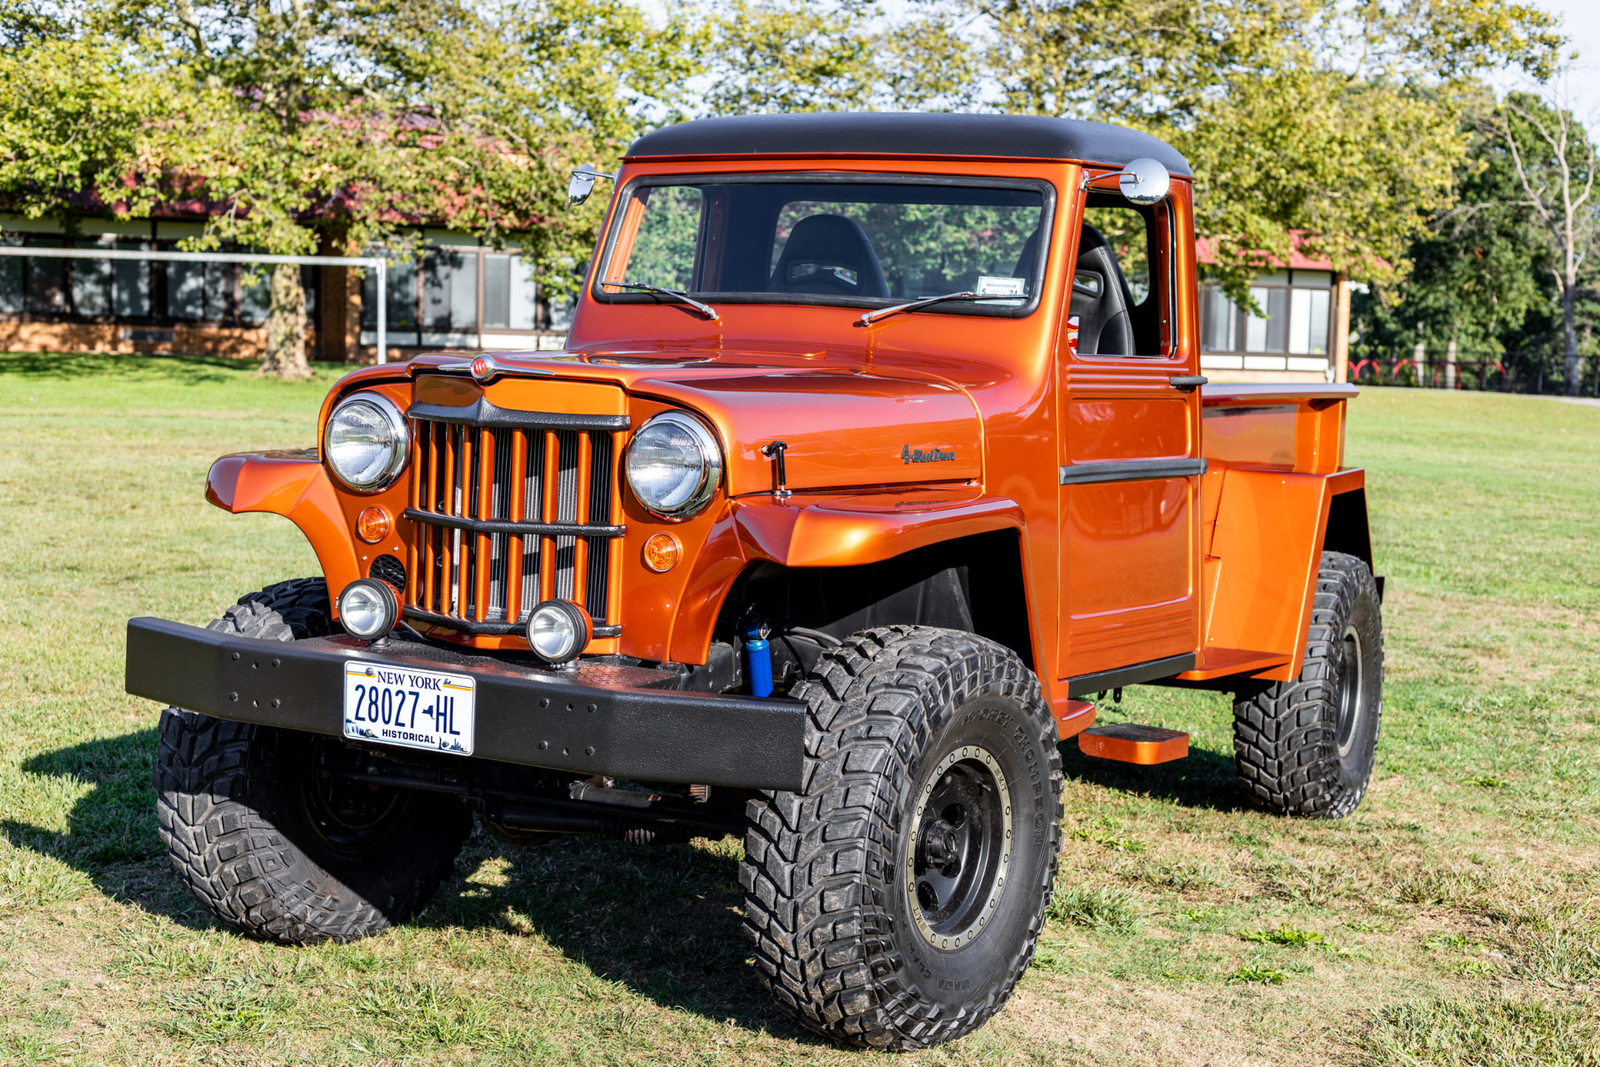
(836, 942)
(250, 837)
(1287, 735)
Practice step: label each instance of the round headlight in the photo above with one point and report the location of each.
(558, 630)
(674, 465)
(366, 443)
(368, 608)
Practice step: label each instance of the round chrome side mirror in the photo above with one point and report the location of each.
(1144, 181)
(582, 184)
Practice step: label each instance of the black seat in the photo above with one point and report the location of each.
(1101, 299)
(1026, 261)
(829, 255)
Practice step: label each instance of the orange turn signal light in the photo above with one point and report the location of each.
(662, 552)
(373, 524)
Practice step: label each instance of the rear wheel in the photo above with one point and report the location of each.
(1307, 747)
(895, 902)
(266, 834)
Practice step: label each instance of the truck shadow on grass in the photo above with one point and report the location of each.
(76, 366)
(1202, 779)
(111, 833)
(662, 920)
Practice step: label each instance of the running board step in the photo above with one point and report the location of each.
(1129, 742)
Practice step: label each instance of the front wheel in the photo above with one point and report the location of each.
(1307, 747)
(895, 902)
(262, 829)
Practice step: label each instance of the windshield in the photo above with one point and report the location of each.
(866, 243)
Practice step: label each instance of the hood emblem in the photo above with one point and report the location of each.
(483, 368)
(926, 455)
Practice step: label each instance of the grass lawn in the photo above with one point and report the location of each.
(1454, 919)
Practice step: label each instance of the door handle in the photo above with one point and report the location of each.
(1186, 383)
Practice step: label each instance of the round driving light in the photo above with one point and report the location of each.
(662, 552)
(366, 443)
(558, 630)
(674, 465)
(369, 608)
(373, 524)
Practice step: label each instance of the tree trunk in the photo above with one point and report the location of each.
(1569, 337)
(286, 327)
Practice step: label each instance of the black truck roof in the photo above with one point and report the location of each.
(903, 133)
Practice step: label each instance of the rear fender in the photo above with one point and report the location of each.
(295, 485)
(1266, 536)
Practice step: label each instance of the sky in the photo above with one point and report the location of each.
(1581, 23)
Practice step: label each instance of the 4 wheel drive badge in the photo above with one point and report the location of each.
(926, 455)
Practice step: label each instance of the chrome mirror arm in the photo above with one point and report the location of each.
(1142, 181)
(582, 182)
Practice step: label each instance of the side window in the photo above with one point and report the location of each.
(1121, 282)
(664, 250)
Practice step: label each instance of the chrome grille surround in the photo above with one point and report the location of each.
(509, 508)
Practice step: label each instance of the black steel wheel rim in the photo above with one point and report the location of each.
(1352, 690)
(353, 819)
(959, 852)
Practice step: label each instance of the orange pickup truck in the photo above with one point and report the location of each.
(877, 448)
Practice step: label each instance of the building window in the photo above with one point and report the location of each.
(47, 282)
(508, 293)
(1292, 331)
(84, 288)
(1308, 322)
(455, 296)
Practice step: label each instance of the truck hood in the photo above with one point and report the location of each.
(845, 425)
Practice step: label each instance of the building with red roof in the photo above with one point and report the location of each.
(1303, 331)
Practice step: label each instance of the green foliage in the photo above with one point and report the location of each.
(1487, 1031)
(1292, 112)
(1486, 273)
(1254, 974)
(1339, 120)
(330, 126)
(72, 112)
(1283, 935)
(838, 55)
(1096, 908)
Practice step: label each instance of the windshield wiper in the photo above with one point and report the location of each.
(705, 309)
(882, 313)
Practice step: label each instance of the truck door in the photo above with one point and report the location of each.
(1129, 448)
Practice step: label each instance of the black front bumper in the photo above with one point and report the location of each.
(595, 719)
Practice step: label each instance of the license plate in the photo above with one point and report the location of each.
(407, 707)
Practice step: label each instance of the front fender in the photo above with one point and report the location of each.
(295, 485)
(824, 530)
(849, 530)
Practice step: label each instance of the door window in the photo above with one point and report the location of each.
(1121, 288)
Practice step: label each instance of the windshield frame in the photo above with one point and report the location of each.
(624, 196)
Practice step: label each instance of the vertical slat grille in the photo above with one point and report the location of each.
(490, 509)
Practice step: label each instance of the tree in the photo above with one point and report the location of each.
(1554, 162)
(331, 125)
(72, 108)
(835, 55)
(1332, 118)
(1476, 272)
(308, 127)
